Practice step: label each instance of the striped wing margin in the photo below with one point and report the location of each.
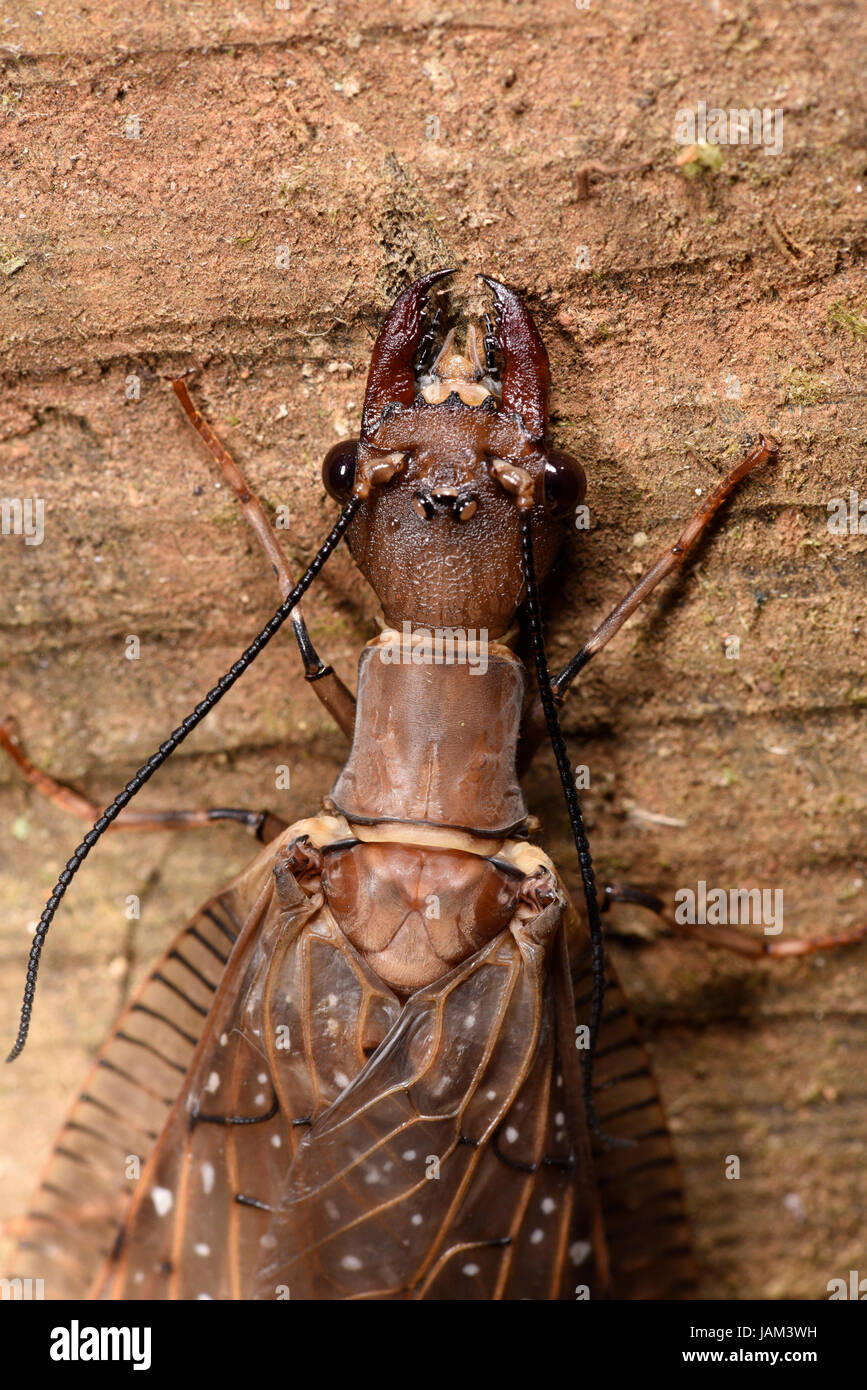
(112, 1126)
(640, 1188)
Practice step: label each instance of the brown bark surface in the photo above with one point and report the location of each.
(245, 188)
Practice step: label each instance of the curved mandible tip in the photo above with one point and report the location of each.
(391, 378)
(526, 375)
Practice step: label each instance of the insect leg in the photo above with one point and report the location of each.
(265, 825)
(731, 938)
(534, 726)
(327, 685)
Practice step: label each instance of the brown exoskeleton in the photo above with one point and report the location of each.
(363, 1069)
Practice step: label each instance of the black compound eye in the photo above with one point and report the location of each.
(563, 484)
(338, 469)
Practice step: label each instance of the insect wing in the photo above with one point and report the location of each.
(646, 1225)
(325, 1140)
(446, 1169)
(195, 1223)
(90, 1177)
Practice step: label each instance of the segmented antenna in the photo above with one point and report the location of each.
(576, 818)
(156, 760)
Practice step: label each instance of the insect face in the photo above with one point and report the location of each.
(452, 447)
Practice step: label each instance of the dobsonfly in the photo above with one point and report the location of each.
(391, 1060)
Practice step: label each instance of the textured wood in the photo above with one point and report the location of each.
(306, 129)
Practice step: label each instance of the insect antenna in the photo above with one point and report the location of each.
(576, 818)
(162, 754)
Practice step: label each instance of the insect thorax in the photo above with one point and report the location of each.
(436, 734)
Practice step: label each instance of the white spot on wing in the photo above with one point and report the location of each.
(163, 1200)
(579, 1251)
(276, 1140)
(537, 1236)
(549, 1205)
(351, 1262)
(207, 1178)
(212, 1082)
(470, 1270)
(408, 1155)
(202, 1249)
(416, 1219)
(341, 1079)
(511, 1134)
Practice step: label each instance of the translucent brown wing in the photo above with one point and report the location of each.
(451, 1167)
(640, 1188)
(333, 1143)
(90, 1177)
(324, 1141)
(195, 1223)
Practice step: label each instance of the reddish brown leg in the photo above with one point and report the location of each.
(265, 825)
(534, 727)
(727, 938)
(326, 683)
